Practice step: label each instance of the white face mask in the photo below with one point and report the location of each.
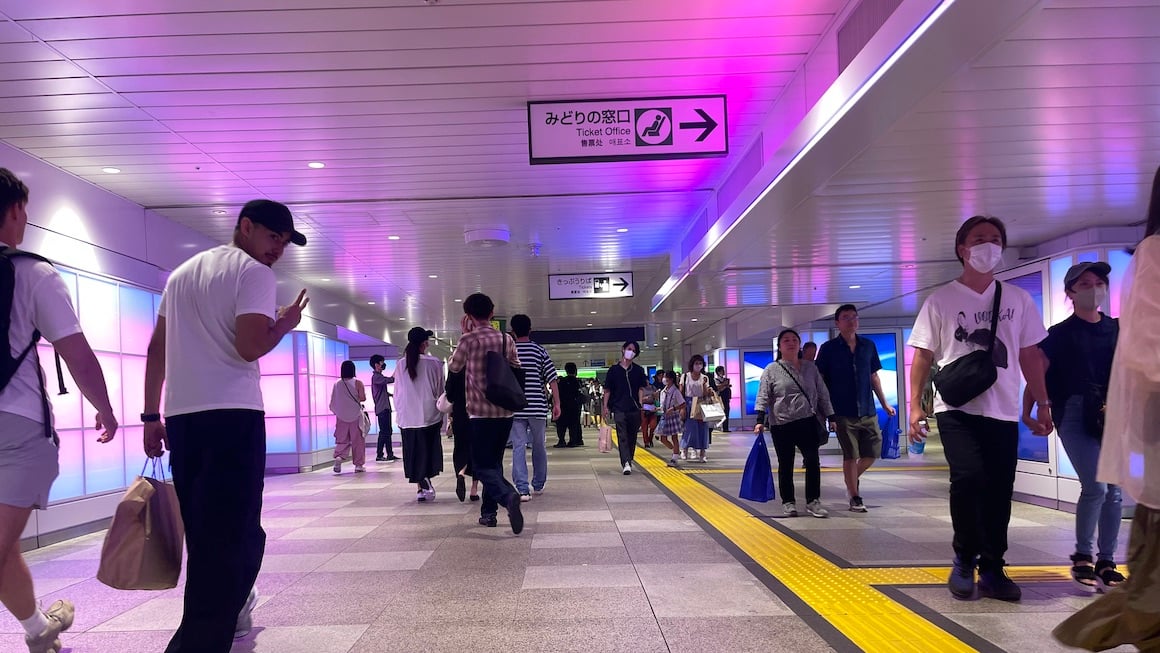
(986, 257)
(1091, 298)
(629, 354)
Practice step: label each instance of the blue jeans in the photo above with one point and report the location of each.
(1099, 503)
(529, 430)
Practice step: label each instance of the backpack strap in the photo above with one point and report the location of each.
(8, 254)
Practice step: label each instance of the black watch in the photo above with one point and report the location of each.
(150, 417)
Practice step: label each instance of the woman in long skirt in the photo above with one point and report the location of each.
(418, 384)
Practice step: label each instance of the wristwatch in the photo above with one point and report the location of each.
(150, 417)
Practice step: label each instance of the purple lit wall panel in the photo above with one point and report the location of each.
(111, 366)
(70, 484)
(133, 386)
(1119, 260)
(281, 436)
(98, 312)
(66, 409)
(136, 320)
(278, 396)
(280, 360)
(104, 463)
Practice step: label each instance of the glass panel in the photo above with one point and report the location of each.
(280, 360)
(280, 435)
(278, 395)
(136, 320)
(71, 482)
(97, 309)
(1032, 447)
(104, 463)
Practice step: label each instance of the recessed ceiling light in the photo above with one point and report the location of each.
(665, 338)
(402, 318)
(855, 287)
(622, 230)
(316, 165)
(459, 301)
(219, 212)
(693, 320)
(678, 329)
(392, 237)
(370, 303)
(589, 324)
(432, 276)
(592, 312)
(325, 279)
(110, 171)
(607, 271)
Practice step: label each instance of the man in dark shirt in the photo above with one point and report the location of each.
(623, 399)
(382, 399)
(849, 365)
(571, 403)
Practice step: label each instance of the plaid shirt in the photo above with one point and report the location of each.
(472, 355)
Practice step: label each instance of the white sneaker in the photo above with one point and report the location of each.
(627, 468)
(337, 465)
(816, 509)
(789, 509)
(430, 493)
(538, 492)
(525, 498)
(673, 461)
(60, 618)
(246, 617)
(359, 468)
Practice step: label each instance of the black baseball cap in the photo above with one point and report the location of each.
(1101, 270)
(419, 334)
(273, 216)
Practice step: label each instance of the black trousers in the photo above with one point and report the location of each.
(422, 453)
(627, 427)
(801, 435)
(461, 444)
(489, 438)
(218, 459)
(982, 453)
(385, 429)
(725, 399)
(569, 423)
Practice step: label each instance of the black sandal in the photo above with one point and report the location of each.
(1083, 573)
(1107, 575)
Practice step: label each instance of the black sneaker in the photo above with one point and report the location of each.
(962, 580)
(514, 515)
(995, 584)
(1107, 575)
(559, 445)
(380, 459)
(856, 505)
(490, 522)
(392, 458)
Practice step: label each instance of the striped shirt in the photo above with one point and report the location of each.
(539, 372)
(471, 354)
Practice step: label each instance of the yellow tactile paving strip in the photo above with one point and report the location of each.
(846, 597)
(916, 468)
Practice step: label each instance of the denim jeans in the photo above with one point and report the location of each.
(1098, 503)
(533, 431)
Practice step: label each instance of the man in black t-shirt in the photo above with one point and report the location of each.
(572, 399)
(623, 398)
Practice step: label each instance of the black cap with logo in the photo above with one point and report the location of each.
(273, 216)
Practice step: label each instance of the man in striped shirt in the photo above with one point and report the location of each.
(531, 424)
(490, 424)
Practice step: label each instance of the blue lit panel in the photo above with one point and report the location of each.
(280, 435)
(887, 345)
(280, 360)
(755, 364)
(136, 320)
(1032, 447)
(133, 386)
(104, 463)
(70, 484)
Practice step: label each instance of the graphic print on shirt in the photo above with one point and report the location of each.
(980, 336)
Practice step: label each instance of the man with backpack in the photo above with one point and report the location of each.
(34, 302)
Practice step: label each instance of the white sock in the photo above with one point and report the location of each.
(36, 624)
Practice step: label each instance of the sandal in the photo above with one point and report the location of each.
(1083, 573)
(1107, 575)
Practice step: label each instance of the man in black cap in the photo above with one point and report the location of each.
(218, 315)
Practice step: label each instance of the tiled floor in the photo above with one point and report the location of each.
(607, 563)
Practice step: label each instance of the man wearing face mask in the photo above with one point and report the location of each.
(981, 436)
(1079, 353)
(623, 397)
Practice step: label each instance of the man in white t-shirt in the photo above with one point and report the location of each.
(217, 317)
(28, 444)
(980, 437)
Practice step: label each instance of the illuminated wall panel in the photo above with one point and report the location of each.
(278, 395)
(280, 360)
(97, 308)
(1119, 260)
(104, 463)
(137, 318)
(281, 436)
(70, 484)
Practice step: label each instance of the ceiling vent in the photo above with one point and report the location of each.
(487, 237)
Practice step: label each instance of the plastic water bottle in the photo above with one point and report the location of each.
(917, 448)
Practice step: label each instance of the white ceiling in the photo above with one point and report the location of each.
(1049, 118)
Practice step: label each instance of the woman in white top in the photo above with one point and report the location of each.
(346, 399)
(695, 385)
(418, 383)
(1130, 458)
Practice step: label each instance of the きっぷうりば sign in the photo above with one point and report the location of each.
(640, 129)
(607, 285)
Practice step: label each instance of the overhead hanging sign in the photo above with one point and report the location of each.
(605, 285)
(642, 129)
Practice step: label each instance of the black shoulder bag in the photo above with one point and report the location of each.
(970, 376)
(823, 433)
(505, 383)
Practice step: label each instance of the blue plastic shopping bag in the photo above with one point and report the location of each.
(890, 433)
(757, 481)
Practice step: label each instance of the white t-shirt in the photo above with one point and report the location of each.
(201, 303)
(344, 401)
(955, 320)
(40, 301)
